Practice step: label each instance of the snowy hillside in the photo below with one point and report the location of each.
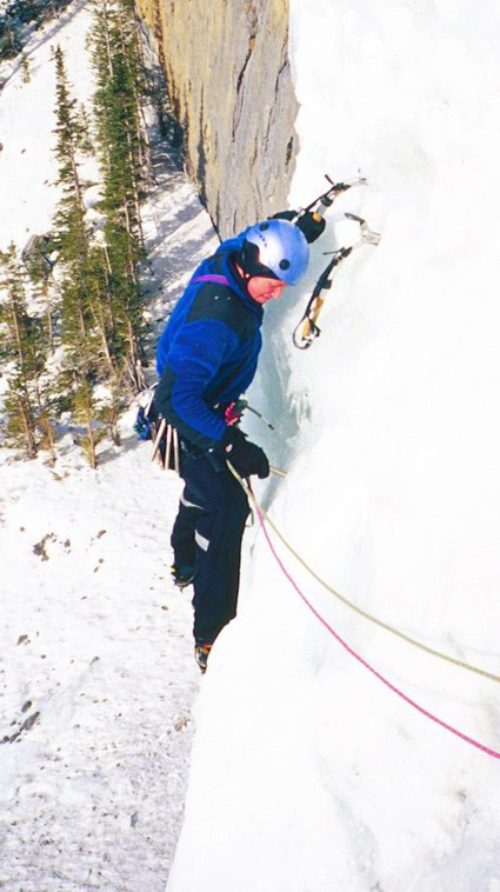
(307, 772)
(96, 669)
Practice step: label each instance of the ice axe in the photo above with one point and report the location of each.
(308, 330)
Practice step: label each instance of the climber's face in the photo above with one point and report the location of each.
(262, 289)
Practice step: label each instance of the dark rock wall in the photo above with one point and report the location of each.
(229, 80)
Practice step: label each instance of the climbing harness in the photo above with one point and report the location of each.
(166, 447)
(385, 681)
(149, 426)
(307, 330)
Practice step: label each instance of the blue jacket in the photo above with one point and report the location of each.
(207, 354)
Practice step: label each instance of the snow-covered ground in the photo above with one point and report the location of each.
(97, 675)
(307, 774)
(96, 658)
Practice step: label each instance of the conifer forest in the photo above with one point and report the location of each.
(72, 325)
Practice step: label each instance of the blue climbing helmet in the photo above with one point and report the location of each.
(276, 249)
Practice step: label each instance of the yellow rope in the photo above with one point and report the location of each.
(369, 616)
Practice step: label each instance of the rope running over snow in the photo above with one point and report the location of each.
(465, 737)
(359, 610)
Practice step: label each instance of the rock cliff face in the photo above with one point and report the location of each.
(229, 79)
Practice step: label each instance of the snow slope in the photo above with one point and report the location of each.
(96, 669)
(309, 775)
(96, 652)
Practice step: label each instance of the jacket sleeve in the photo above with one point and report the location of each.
(194, 359)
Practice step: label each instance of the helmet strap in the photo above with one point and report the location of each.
(241, 272)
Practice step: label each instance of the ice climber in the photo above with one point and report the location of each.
(206, 358)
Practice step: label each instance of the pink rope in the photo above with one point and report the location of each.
(360, 659)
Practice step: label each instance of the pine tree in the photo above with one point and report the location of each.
(121, 87)
(39, 266)
(85, 411)
(69, 133)
(86, 130)
(28, 401)
(78, 329)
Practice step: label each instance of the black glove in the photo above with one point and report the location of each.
(311, 226)
(308, 223)
(246, 457)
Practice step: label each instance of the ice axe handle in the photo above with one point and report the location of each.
(277, 471)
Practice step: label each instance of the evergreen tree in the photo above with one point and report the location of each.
(85, 412)
(92, 305)
(85, 126)
(121, 88)
(28, 401)
(39, 266)
(78, 330)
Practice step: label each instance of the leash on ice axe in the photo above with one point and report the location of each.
(307, 329)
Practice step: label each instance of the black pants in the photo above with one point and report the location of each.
(207, 534)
